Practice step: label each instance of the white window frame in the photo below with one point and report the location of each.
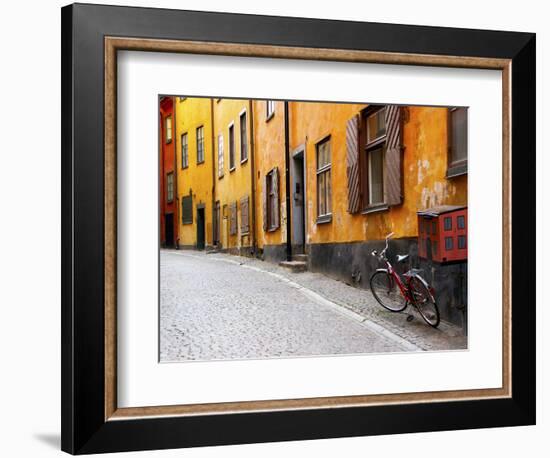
(371, 145)
(170, 187)
(185, 164)
(230, 126)
(245, 114)
(168, 129)
(327, 168)
(220, 156)
(203, 145)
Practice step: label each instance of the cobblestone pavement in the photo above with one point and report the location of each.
(219, 306)
(445, 337)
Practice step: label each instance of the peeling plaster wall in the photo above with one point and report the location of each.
(425, 166)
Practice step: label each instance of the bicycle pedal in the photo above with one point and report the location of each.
(410, 318)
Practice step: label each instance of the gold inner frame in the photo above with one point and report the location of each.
(114, 44)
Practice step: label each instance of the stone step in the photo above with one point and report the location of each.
(299, 257)
(294, 266)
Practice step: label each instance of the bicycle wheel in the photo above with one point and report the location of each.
(424, 301)
(386, 292)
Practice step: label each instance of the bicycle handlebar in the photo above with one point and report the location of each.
(383, 252)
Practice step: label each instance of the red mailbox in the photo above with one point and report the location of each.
(443, 233)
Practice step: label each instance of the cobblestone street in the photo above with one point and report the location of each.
(218, 306)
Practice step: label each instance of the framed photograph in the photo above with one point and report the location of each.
(284, 228)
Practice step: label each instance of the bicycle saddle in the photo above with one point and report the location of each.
(402, 257)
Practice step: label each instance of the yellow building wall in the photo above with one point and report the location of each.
(235, 184)
(269, 149)
(192, 113)
(424, 169)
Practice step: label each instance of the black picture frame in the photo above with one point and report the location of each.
(84, 428)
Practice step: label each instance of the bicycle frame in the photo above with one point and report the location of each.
(405, 289)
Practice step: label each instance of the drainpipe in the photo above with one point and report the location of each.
(287, 186)
(213, 142)
(252, 205)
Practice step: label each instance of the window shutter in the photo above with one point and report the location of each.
(275, 184)
(265, 197)
(244, 215)
(393, 180)
(352, 144)
(187, 209)
(233, 218)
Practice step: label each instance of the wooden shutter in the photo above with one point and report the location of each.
(352, 145)
(244, 215)
(393, 180)
(233, 218)
(187, 209)
(276, 212)
(264, 201)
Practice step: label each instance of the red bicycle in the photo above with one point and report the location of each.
(394, 294)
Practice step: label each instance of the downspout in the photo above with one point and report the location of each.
(213, 142)
(176, 199)
(287, 186)
(252, 206)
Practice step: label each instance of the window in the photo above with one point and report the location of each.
(448, 223)
(184, 152)
(200, 144)
(170, 187)
(461, 242)
(187, 209)
(168, 129)
(448, 243)
(220, 156)
(231, 147)
(374, 158)
(271, 200)
(244, 139)
(324, 186)
(376, 171)
(269, 109)
(376, 126)
(375, 152)
(460, 222)
(458, 142)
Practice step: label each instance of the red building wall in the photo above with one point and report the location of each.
(167, 165)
